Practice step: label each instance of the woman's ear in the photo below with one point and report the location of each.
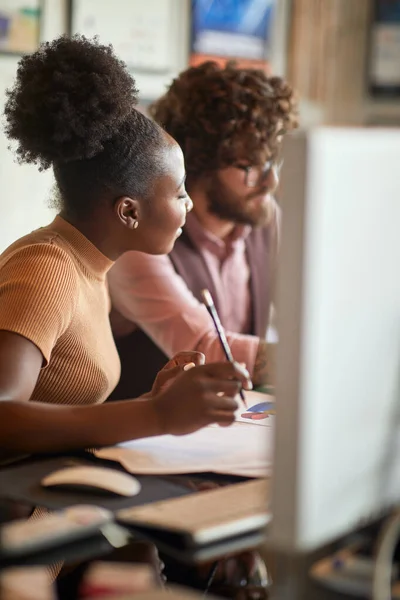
(128, 211)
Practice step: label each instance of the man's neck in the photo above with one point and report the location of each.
(212, 223)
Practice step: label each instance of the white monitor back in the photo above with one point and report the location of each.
(337, 453)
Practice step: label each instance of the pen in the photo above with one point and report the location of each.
(209, 303)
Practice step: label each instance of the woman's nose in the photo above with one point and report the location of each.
(189, 204)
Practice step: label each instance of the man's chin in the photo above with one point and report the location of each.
(256, 218)
(255, 214)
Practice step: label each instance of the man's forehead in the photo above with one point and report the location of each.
(255, 156)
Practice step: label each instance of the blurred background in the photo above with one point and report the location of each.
(343, 57)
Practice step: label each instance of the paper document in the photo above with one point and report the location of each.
(237, 450)
(259, 409)
(240, 449)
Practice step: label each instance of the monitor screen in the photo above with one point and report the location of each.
(337, 440)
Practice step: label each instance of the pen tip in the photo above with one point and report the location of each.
(207, 298)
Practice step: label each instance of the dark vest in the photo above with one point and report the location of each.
(141, 358)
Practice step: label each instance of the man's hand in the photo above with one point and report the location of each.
(264, 368)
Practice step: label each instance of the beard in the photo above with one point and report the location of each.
(229, 206)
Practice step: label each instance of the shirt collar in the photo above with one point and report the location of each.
(201, 236)
(87, 253)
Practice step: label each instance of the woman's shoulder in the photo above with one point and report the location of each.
(40, 252)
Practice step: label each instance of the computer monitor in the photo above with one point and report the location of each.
(337, 446)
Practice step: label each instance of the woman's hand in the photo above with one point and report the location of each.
(199, 397)
(183, 361)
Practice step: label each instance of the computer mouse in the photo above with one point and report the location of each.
(94, 480)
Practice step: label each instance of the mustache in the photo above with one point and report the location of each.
(260, 192)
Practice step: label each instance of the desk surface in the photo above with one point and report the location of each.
(20, 483)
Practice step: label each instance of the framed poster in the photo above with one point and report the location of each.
(20, 26)
(139, 30)
(384, 57)
(232, 29)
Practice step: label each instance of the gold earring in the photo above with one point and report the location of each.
(136, 225)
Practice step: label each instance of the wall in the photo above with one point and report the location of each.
(24, 191)
(348, 100)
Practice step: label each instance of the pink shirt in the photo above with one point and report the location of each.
(147, 291)
(230, 273)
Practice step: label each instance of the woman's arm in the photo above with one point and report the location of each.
(27, 426)
(33, 427)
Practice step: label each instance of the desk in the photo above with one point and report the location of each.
(20, 483)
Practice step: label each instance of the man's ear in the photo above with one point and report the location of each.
(128, 211)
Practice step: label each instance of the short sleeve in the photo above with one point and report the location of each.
(38, 293)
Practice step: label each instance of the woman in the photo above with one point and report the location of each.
(121, 187)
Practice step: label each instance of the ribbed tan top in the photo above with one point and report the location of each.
(53, 292)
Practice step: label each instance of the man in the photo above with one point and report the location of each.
(229, 123)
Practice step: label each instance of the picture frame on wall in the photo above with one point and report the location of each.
(384, 53)
(238, 30)
(20, 24)
(138, 30)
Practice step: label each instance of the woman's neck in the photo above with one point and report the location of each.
(97, 231)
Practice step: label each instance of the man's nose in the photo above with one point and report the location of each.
(272, 180)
